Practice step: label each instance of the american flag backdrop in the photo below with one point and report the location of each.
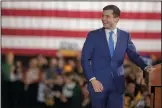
(31, 28)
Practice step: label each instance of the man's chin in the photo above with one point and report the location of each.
(106, 27)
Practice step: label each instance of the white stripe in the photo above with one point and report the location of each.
(147, 44)
(39, 42)
(55, 43)
(77, 24)
(91, 6)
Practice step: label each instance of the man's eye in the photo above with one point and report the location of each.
(107, 16)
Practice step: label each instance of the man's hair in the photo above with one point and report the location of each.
(131, 82)
(115, 9)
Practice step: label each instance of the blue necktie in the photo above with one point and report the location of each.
(111, 43)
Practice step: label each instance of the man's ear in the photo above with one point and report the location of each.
(117, 19)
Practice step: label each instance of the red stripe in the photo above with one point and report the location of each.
(64, 33)
(30, 52)
(76, 14)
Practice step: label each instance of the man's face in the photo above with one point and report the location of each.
(108, 19)
(131, 88)
(53, 62)
(33, 63)
(147, 101)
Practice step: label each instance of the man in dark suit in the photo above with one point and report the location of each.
(102, 60)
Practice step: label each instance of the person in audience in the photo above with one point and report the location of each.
(32, 77)
(72, 91)
(130, 92)
(145, 92)
(8, 68)
(73, 64)
(147, 101)
(17, 84)
(61, 64)
(59, 98)
(50, 72)
(140, 81)
(86, 100)
(42, 62)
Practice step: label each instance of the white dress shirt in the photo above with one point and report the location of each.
(107, 36)
(114, 35)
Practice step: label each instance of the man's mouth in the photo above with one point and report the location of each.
(105, 23)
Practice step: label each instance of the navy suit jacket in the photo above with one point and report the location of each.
(97, 62)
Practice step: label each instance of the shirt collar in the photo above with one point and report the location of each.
(115, 30)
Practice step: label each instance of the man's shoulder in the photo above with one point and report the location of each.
(95, 30)
(101, 29)
(93, 33)
(123, 31)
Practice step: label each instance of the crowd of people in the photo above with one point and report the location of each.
(59, 82)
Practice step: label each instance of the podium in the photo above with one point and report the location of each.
(155, 84)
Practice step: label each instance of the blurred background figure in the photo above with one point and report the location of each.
(42, 61)
(41, 47)
(8, 68)
(32, 77)
(51, 71)
(17, 84)
(72, 91)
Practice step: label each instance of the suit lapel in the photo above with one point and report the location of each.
(105, 42)
(118, 44)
